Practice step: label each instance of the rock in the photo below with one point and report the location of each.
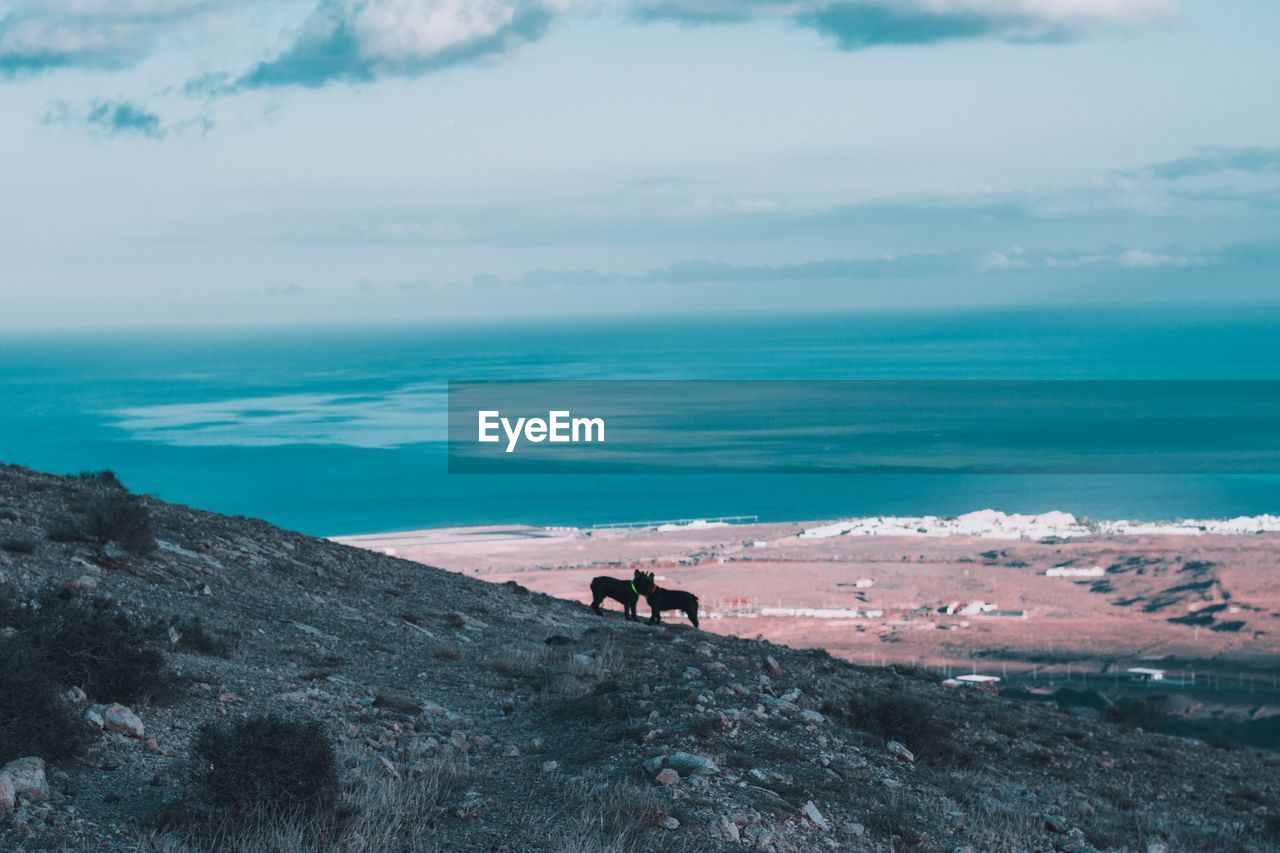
(28, 779)
(8, 793)
(1056, 822)
(84, 583)
(726, 829)
(811, 812)
(670, 823)
(397, 702)
(511, 750)
(775, 669)
(550, 766)
(692, 672)
(688, 764)
(118, 718)
(76, 695)
(899, 751)
(1152, 846)
(812, 716)
(854, 829)
(653, 765)
(558, 640)
(667, 777)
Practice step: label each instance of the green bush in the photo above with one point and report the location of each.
(35, 719)
(117, 516)
(267, 763)
(18, 545)
(90, 643)
(892, 715)
(194, 635)
(66, 528)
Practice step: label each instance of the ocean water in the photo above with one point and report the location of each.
(341, 429)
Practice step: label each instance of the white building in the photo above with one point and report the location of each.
(977, 679)
(1067, 572)
(1142, 673)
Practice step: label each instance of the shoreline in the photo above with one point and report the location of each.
(980, 524)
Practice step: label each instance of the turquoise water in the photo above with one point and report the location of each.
(341, 430)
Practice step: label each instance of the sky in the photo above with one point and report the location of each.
(316, 161)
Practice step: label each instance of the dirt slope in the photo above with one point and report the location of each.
(537, 725)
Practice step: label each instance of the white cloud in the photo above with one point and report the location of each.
(864, 23)
(37, 35)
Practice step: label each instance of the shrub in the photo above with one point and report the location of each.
(66, 529)
(89, 643)
(895, 716)
(193, 634)
(106, 478)
(267, 763)
(1133, 714)
(117, 516)
(34, 717)
(18, 545)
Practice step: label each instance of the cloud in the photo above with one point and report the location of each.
(363, 40)
(701, 271)
(39, 35)
(1133, 259)
(360, 40)
(914, 267)
(116, 117)
(857, 24)
(1212, 161)
(108, 118)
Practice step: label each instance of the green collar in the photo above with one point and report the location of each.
(633, 588)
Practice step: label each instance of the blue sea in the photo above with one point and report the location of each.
(333, 430)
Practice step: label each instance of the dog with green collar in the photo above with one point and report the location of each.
(626, 593)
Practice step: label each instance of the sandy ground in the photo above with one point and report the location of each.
(1196, 603)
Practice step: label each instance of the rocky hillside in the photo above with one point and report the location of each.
(465, 715)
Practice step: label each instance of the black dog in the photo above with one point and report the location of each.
(670, 599)
(626, 593)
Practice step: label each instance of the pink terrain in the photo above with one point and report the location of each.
(1089, 607)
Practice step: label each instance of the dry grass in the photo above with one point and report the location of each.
(526, 664)
(378, 812)
(606, 817)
